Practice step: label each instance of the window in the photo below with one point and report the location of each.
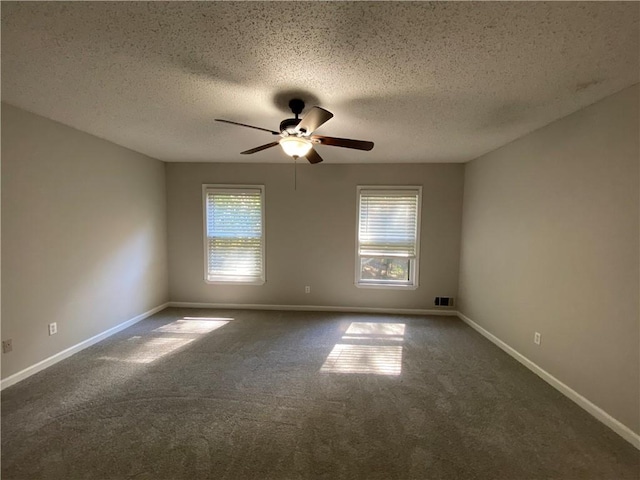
(388, 236)
(234, 234)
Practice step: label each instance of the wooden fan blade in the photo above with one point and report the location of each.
(248, 126)
(312, 120)
(343, 142)
(260, 148)
(313, 156)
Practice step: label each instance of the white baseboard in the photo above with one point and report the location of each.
(315, 308)
(47, 362)
(622, 430)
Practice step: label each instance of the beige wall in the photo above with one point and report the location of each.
(310, 233)
(84, 236)
(550, 244)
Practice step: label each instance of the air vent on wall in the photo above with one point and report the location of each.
(444, 302)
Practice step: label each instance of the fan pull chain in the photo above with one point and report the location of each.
(295, 173)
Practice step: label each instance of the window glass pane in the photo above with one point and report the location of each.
(388, 223)
(234, 235)
(388, 236)
(385, 269)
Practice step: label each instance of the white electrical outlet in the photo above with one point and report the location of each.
(536, 338)
(53, 328)
(307, 289)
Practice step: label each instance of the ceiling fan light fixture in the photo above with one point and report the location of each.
(296, 137)
(295, 146)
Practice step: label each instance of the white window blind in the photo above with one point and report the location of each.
(388, 223)
(234, 234)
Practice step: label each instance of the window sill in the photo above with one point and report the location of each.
(234, 282)
(386, 286)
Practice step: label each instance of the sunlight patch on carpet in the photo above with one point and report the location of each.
(376, 329)
(368, 348)
(147, 350)
(164, 340)
(375, 359)
(192, 325)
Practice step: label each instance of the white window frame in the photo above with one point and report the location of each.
(414, 263)
(226, 188)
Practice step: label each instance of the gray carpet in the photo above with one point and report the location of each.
(288, 395)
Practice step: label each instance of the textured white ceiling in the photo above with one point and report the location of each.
(427, 82)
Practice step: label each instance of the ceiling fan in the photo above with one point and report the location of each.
(297, 139)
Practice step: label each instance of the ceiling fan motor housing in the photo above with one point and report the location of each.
(289, 124)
